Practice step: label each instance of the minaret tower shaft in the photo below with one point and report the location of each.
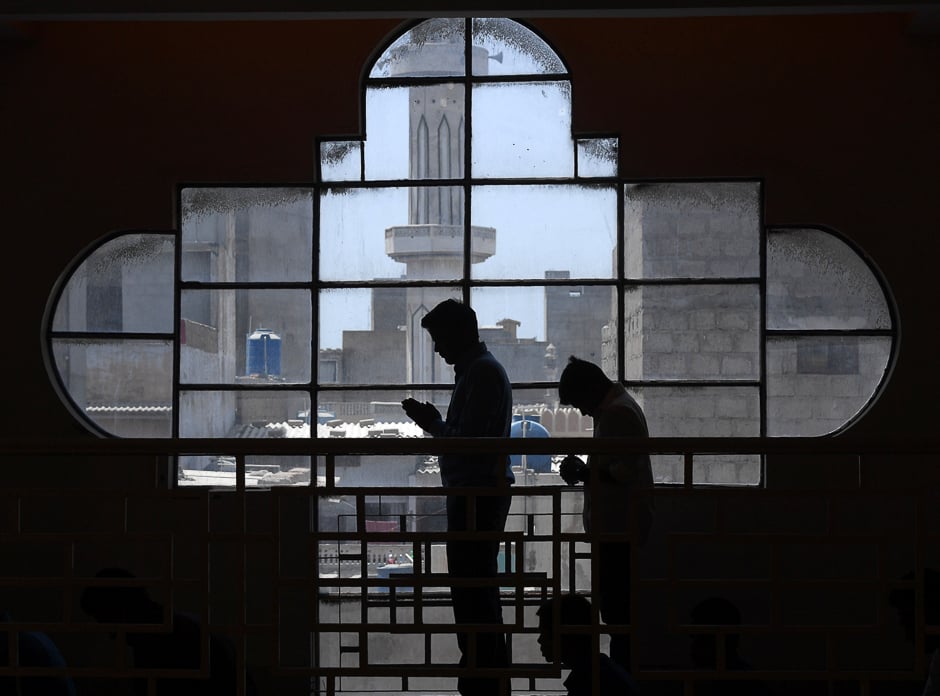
(431, 245)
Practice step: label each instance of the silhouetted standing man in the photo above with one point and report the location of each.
(480, 406)
(609, 480)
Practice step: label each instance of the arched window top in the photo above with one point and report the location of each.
(437, 48)
(272, 303)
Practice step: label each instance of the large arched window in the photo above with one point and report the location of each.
(295, 311)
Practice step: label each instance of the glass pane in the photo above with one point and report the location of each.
(817, 281)
(533, 330)
(415, 132)
(700, 411)
(522, 129)
(253, 337)
(537, 414)
(692, 230)
(240, 414)
(434, 47)
(703, 412)
(512, 49)
(598, 157)
(123, 387)
(817, 384)
(395, 234)
(375, 336)
(378, 413)
(125, 285)
(692, 332)
(247, 234)
(536, 226)
(341, 160)
(269, 471)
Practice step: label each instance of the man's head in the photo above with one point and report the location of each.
(583, 385)
(574, 610)
(453, 329)
(118, 603)
(714, 611)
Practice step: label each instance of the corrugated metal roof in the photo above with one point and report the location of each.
(118, 408)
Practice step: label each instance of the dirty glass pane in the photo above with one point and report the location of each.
(341, 160)
(692, 332)
(434, 47)
(125, 285)
(247, 234)
(377, 414)
(598, 157)
(512, 49)
(522, 129)
(817, 384)
(380, 334)
(124, 387)
(536, 414)
(703, 412)
(392, 233)
(268, 471)
(817, 281)
(253, 337)
(373, 412)
(544, 231)
(415, 132)
(533, 330)
(692, 230)
(241, 414)
(254, 413)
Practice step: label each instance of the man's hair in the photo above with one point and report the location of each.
(582, 381)
(453, 319)
(110, 601)
(574, 609)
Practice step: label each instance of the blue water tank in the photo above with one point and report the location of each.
(529, 426)
(263, 353)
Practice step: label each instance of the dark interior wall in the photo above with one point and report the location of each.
(837, 113)
(100, 121)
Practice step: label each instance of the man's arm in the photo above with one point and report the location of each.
(573, 470)
(424, 414)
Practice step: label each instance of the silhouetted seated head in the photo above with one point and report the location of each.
(903, 601)
(583, 385)
(574, 610)
(119, 604)
(714, 611)
(453, 329)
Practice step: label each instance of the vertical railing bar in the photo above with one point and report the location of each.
(241, 668)
(240, 473)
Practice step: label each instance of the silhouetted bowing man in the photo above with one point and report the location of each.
(34, 649)
(609, 480)
(576, 650)
(903, 601)
(480, 406)
(180, 648)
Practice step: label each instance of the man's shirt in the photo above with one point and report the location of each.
(614, 476)
(481, 406)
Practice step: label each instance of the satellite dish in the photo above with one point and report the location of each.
(498, 57)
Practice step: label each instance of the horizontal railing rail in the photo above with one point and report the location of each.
(867, 445)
